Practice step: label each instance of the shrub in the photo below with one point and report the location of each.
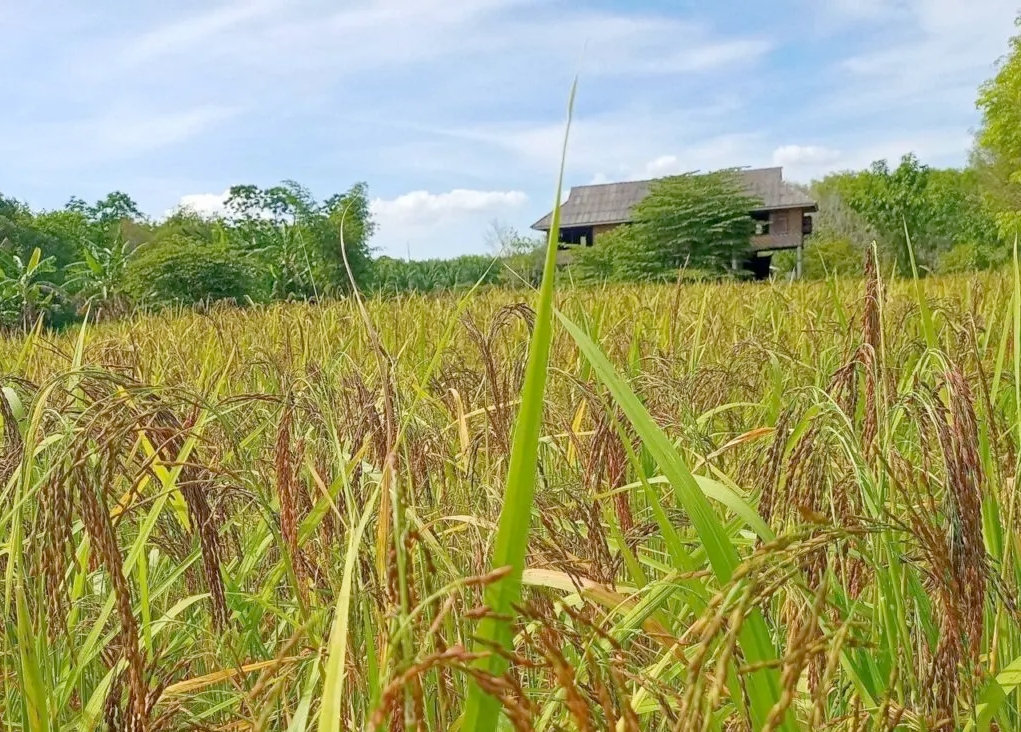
(598, 263)
(183, 271)
(971, 256)
(823, 257)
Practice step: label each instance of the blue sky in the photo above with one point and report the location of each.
(453, 110)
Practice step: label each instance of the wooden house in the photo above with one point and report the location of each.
(782, 220)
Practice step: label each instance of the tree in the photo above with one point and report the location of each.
(113, 209)
(26, 232)
(298, 239)
(348, 212)
(932, 210)
(182, 271)
(520, 255)
(998, 144)
(100, 277)
(893, 203)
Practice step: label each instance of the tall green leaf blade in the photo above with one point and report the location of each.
(35, 691)
(333, 685)
(482, 710)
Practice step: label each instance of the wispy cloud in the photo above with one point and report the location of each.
(192, 32)
(940, 53)
(613, 141)
(116, 134)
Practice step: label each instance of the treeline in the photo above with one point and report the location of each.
(108, 258)
(943, 218)
(517, 261)
(269, 244)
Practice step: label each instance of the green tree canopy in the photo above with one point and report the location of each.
(997, 153)
(182, 271)
(298, 239)
(932, 210)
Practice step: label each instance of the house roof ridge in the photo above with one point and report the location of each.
(673, 175)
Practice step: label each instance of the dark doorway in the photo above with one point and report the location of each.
(759, 266)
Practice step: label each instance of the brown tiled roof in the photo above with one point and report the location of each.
(611, 203)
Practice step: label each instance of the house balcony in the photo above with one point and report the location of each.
(773, 242)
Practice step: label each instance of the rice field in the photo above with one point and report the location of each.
(756, 507)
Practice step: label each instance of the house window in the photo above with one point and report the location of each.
(761, 228)
(578, 235)
(780, 223)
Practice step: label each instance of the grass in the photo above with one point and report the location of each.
(754, 507)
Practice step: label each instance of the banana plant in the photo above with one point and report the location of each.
(24, 293)
(99, 277)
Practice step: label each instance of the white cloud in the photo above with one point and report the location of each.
(421, 207)
(663, 165)
(429, 225)
(796, 155)
(205, 204)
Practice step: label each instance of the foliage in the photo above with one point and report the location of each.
(599, 263)
(390, 275)
(27, 232)
(932, 210)
(297, 240)
(973, 256)
(699, 221)
(182, 271)
(517, 260)
(998, 142)
(824, 256)
(188, 224)
(100, 277)
(25, 295)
